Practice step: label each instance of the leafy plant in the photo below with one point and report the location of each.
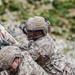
(14, 7)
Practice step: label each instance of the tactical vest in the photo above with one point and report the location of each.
(49, 57)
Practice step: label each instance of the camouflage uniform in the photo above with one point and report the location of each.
(27, 65)
(7, 56)
(44, 51)
(5, 35)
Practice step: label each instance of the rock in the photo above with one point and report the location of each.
(14, 30)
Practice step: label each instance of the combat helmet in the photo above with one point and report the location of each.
(37, 23)
(7, 56)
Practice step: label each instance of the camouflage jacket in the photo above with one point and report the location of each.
(45, 53)
(6, 38)
(27, 67)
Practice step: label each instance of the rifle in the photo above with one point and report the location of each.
(11, 40)
(4, 43)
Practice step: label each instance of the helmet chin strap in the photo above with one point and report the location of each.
(37, 37)
(12, 70)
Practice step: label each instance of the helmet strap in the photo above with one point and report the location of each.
(38, 36)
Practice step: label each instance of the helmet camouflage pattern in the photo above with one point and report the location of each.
(37, 23)
(7, 56)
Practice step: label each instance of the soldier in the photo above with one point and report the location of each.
(43, 49)
(10, 58)
(6, 37)
(13, 62)
(3, 41)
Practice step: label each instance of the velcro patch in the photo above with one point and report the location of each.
(38, 23)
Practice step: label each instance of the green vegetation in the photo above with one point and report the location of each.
(60, 13)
